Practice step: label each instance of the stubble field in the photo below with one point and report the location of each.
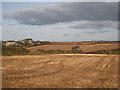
(60, 71)
(85, 48)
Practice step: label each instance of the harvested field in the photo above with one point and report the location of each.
(85, 48)
(60, 71)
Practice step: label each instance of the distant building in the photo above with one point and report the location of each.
(93, 41)
(28, 40)
(36, 42)
(8, 43)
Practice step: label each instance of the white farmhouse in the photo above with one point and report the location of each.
(8, 43)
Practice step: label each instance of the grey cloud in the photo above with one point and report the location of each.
(0, 23)
(65, 35)
(58, 28)
(11, 23)
(99, 25)
(66, 12)
(96, 32)
(40, 33)
(76, 35)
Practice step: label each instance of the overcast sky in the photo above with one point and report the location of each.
(60, 21)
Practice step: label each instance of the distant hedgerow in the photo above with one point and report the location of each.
(14, 50)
